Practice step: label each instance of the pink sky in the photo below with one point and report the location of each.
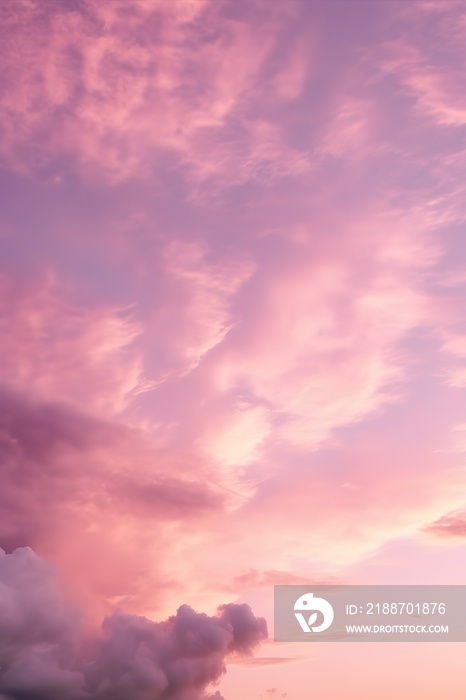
(232, 335)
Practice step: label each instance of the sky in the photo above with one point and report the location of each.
(232, 340)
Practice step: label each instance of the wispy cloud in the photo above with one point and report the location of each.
(451, 526)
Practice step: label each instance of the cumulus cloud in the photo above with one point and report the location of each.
(44, 656)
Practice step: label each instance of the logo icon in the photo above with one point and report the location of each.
(307, 603)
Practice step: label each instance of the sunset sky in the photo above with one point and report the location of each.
(232, 340)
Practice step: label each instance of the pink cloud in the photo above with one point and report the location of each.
(117, 97)
(201, 302)
(290, 338)
(319, 342)
(232, 291)
(427, 74)
(91, 495)
(58, 349)
(451, 526)
(265, 579)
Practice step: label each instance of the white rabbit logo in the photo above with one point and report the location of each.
(307, 603)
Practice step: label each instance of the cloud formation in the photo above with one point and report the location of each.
(452, 525)
(43, 656)
(110, 88)
(56, 348)
(70, 490)
(231, 314)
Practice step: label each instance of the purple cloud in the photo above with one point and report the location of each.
(43, 654)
